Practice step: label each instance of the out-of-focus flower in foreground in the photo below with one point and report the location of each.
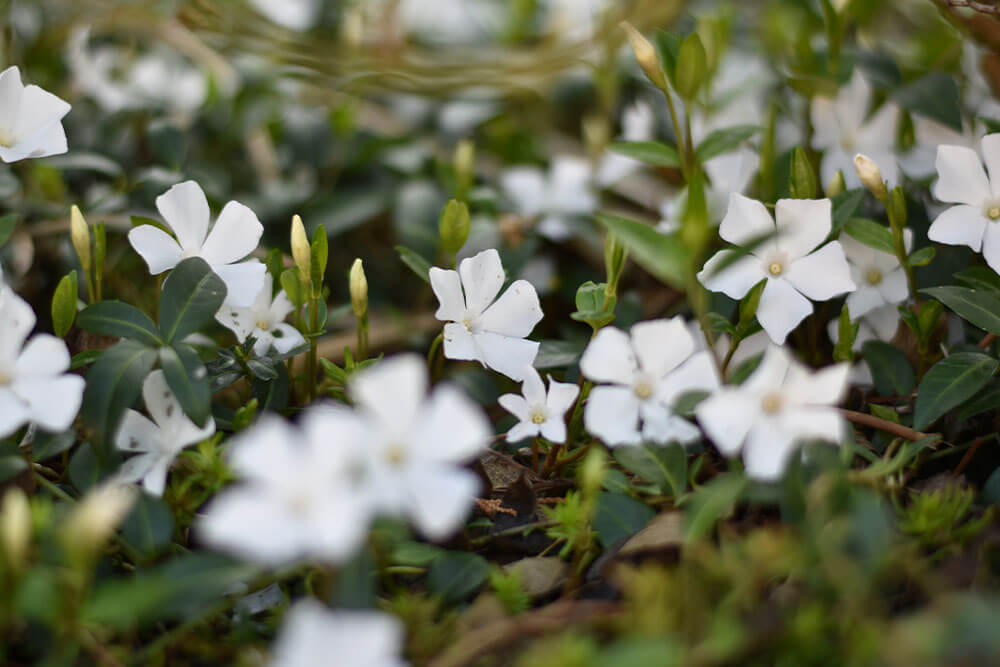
(30, 119)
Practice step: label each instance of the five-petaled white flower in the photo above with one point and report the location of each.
(648, 370)
(975, 222)
(779, 405)
(34, 385)
(538, 412)
(312, 635)
(554, 199)
(264, 320)
(158, 442)
(787, 260)
(412, 446)
(878, 275)
(30, 119)
(842, 128)
(479, 328)
(234, 236)
(297, 498)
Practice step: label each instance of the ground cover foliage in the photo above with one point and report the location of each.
(485, 333)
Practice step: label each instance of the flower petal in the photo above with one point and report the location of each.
(392, 390)
(802, 225)
(458, 343)
(822, 275)
(156, 247)
(991, 246)
(961, 178)
(612, 414)
(533, 388)
(991, 156)
(13, 412)
(241, 321)
(515, 313)
(864, 300)
(562, 396)
(447, 287)
(727, 417)
(440, 498)
(285, 337)
(234, 235)
(451, 427)
(516, 405)
(698, 373)
(243, 281)
(553, 429)
(504, 354)
(736, 279)
(52, 402)
(661, 345)
(960, 225)
(43, 356)
(522, 431)
(781, 309)
(746, 220)
(893, 287)
(185, 209)
(767, 452)
(137, 434)
(17, 322)
(11, 89)
(609, 358)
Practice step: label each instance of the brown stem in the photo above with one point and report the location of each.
(987, 341)
(883, 425)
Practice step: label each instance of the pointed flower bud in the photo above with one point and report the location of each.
(94, 519)
(15, 528)
(359, 289)
(300, 249)
(80, 235)
(871, 176)
(836, 185)
(646, 55)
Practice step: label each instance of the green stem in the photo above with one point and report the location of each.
(313, 346)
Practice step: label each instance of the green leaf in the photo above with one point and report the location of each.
(357, 583)
(590, 305)
(192, 295)
(935, 96)
(12, 462)
(922, 257)
(666, 467)
(666, 257)
(457, 574)
(871, 233)
(949, 383)
(150, 525)
(120, 320)
(981, 278)
(47, 445)
(7, 224)
(557, 354)
(724, 140)
(844, 206)
(188, 379)
(318, 253)
(712, 502)
(692, 65)
(618, 516)
(64, 304)
(978, 307)
(891, 370)
(668, 46)
(653, 153)
(985, 401)
(113, 384)
(417, 263)
(296, 292)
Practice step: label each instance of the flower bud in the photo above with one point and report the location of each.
(15, 528)
(836, 185)
(95, 517)
(646, 55)
(79, 233)
(803, 181)
(300, 249)
(465, 166)
(359, 289)
(454, 226)
(871, 176)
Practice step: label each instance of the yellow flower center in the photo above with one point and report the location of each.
(775, 269)
(771, 404)
(993, 212)
(874, 277)
(395, 455)
(467, 323)
(263, 325)
(6, 138)
(4, 378)
(644, 390)
(537, 418)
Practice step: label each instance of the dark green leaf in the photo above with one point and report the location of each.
(119, 320)
(557, 353)
(712, 502)
(47, 445)
(922, 257)
(949, 383)
(192, 295)
(724, 140)
(188, 379)
(981, 278)
(457, 574)
(666, 467)
(891, 370)
(979, 307)
(871, 233)
(113, 384)
(935, 96)
(985, 401)
(666, 257)
(619, 516)
(150, 525)
(357, 583)
(844, 206)
(417, 263)
(7, 224)
(11, 465)
(655, 153)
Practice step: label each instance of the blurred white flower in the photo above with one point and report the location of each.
(843, 128)
(291, 14)
(234, 235)
(638, 123)
(928, 134)
(538, 412)
(30, 119)
(157, 442)
(297, 498)
(312, 634)
(413, 445)
(553, 199)
(962, 181)
(647, 371)
(727, 173)
(794, 270)
(879, 278)
(480, 326)
(264, 320)
(34, 385)
(781, 404)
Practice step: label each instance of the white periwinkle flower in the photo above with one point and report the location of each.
(843, 128)
(975, 221)
(312, 635)
(292, 14)
(157, 442)
(479, 328)
(540, 412)
(781, 404)
(876, 324)
(878, 275)
(34, 385)
(30, 119)
(647, 371)
(553, 199)
(795, 271)
(297, 498)
(728, 173)
(264, 320)
(234, 235)
(413, 445)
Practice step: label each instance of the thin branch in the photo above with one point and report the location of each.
(883, 425)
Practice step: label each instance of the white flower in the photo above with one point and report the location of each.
(30, 119)
(878, 275)
(794, 271)
(297, 499)
(234, 236)
(638, 122)
(538, 412)
(647, 371)
(842, 129)
(962, 181)
(413, 445)
(34, 385)
(479, 328)
(292, 14)
(553, 199)
(264, 320)
(313, 635)
(728, 173)
(779, 405)
(159, 441)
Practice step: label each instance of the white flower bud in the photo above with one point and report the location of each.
(300, 249)
(358, 284)
(96, 516)
(646, 55)
(15, 528)
(79, 233)
(871, 176)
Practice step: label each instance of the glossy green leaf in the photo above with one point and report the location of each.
(120, 320)
(978, 307)
(192, 295)
(188, 379)
(891, 370)
(871, 233)
(415, 262)
(664, 256)
(113, 384)
(934, 96)
(618, 516)
(949, 383)
(64, 304)
(724, 140)
(150, 525)
(666, 467)
(712, 502)
(653, 153)
(457, 574)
